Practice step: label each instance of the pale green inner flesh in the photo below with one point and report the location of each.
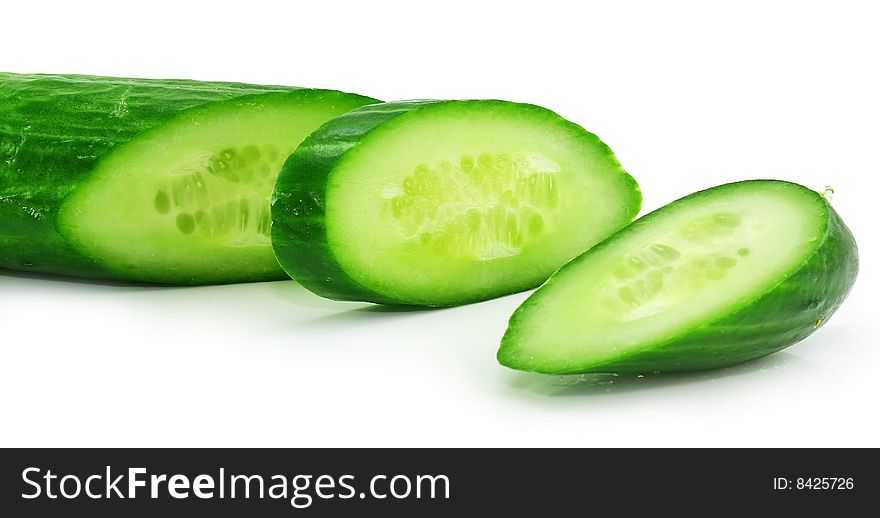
(222, 196)
(698, 260)
(480, 209)
(459, 204)
(189, 202)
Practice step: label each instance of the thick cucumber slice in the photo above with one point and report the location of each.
(162, 181)
(438, 203)
(718, 277)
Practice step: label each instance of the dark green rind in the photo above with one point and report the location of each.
(54, 129)
(782, 316)
(299, 236)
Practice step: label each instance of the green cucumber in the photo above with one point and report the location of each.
(152, 180)
(716, 278)
(439, 203)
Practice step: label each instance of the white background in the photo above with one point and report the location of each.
(688, 94)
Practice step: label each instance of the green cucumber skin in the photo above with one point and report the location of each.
(299, 236)
(782, 316)
(55, 129)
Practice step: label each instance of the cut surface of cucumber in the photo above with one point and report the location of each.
(150, 180)
(719, 277)
(438, 203)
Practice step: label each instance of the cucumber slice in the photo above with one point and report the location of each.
(153, 180)
(438, 203)
(716, 278)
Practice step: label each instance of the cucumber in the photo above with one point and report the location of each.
(152, 180)
(439, 203)
(716, 278)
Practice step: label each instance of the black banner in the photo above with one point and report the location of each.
(434, 482)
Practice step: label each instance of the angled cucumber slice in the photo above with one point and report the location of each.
(716, 278)
(153, 180)
(438, 203)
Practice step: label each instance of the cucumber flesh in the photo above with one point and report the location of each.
(442, 203)
(718, 277)
(190, 202)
